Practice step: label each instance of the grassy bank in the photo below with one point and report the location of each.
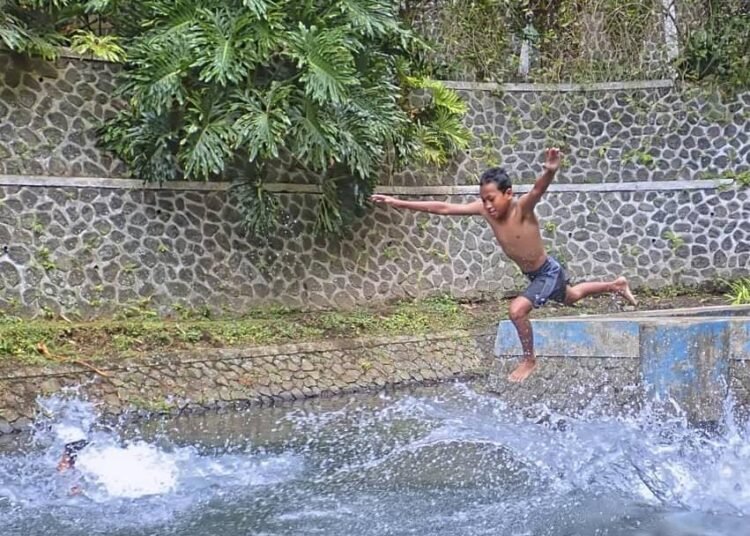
(138, 330)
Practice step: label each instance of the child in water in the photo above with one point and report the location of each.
(68, 460)
(516, 229)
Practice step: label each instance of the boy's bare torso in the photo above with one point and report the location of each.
(519, 237)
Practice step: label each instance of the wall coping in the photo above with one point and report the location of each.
(559, 88)
(135, 184)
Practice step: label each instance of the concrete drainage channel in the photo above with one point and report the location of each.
(687, 358)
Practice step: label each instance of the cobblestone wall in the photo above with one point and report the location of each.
(639, 132)
(619, 135)
(49, 113)
(253, 376)
(89, 248)
(96, 249)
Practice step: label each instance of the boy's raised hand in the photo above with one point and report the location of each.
(552, 159)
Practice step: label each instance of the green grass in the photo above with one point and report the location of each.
(137, 329)
(739, 291)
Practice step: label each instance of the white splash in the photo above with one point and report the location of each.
(137, 470)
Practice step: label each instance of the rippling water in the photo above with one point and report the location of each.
(440, 461)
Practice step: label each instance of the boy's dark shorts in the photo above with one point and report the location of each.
(548, 282)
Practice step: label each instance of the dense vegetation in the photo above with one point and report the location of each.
(586, 40)
(222, 89)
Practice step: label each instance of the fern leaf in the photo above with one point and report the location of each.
(325, 55)
(259, 8)
(105, 47)
(12, 31)
(220, 44)
(209, 138)
(263, 124)
(45, 45)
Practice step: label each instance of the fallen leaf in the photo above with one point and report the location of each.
(42, 349)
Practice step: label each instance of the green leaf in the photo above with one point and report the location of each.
(98, 6)
(325, 56)
(259, 8)
(106, 47)
(12, 31)
(371, 17)
(313, 136)
(262, 123)
(328, 218)
(46, 45)
(146, 141)
(209, 137)
(155, 81)
(260, 208)
(221, 41)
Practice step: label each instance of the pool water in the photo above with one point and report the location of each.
(445, 460)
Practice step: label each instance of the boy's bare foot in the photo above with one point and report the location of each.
(623, 289)
(523, 370)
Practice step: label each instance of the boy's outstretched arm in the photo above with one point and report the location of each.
(551, 164)
(434, 207)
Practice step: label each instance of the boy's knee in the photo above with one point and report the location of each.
(518, 311)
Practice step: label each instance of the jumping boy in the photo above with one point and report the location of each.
(517, 231)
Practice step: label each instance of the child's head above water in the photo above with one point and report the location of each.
(70, 454)
(495, 189)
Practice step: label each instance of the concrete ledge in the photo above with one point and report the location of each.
(134, 184)
(560, 88)
(685, 356)
(724, 311)
(574, 338)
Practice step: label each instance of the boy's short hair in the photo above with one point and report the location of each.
(497, 176)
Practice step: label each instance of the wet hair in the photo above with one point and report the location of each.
(72, 449)
(497, 176)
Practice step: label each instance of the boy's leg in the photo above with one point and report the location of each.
(618, 286)
(520, 308)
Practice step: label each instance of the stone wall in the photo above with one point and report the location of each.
(613, 132)
(49, 113)
(250, 376)
(99, 245)
(610, 133)
(626, 204)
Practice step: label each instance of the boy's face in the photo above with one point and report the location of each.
(495, 202)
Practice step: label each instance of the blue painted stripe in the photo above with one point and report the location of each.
(573, 338)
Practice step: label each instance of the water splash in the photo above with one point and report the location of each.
(436, 461)
(137, 483)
